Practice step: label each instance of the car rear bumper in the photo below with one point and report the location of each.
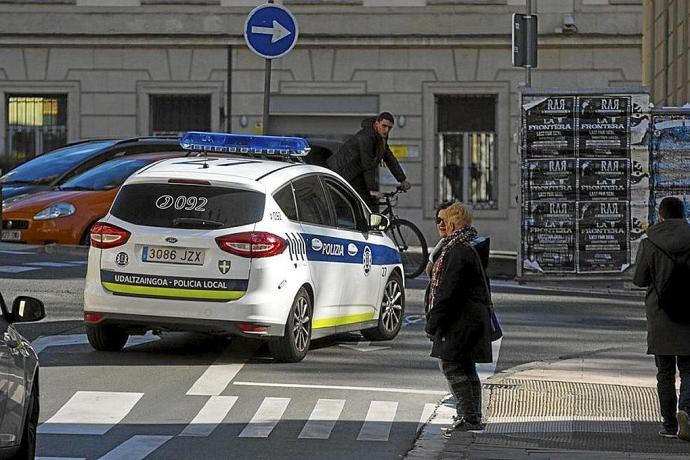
(143, 323)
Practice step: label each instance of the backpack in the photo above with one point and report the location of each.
(672, 295)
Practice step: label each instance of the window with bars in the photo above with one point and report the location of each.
(35, 124)
(174, 114)
(467, 154)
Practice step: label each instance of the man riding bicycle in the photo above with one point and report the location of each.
(358, 158)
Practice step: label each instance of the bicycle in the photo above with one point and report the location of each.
(407, 237)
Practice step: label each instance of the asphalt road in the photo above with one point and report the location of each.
(186, 395)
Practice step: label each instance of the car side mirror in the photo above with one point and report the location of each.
(378, 222)
(26, 309)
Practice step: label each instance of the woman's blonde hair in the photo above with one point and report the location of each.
(458, 214)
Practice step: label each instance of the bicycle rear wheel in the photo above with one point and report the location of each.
(411, 244)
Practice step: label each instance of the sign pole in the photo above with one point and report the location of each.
(528, 68)
(267, 95)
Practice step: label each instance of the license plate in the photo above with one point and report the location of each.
(168, 255)
(11, 235)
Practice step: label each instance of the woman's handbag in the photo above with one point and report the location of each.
(496, 331)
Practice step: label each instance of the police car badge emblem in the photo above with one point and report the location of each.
(224, 266)
(366, 260)
(122, 259)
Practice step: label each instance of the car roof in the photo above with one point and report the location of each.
(217, 165)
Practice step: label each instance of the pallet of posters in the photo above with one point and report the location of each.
(670, 158)
(584, 158)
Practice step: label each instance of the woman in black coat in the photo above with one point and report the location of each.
(458, 320)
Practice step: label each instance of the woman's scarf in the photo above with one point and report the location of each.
(464, 236)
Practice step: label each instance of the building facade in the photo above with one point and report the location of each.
(665, 48)
(73, 69)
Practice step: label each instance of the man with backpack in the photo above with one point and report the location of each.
(663, 266)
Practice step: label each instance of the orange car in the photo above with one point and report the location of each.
(66, 214)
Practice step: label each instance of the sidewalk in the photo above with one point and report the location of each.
(602, 406)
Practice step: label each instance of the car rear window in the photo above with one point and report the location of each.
(188, 206)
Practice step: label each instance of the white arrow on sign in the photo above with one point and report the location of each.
(362, 346)
(278, 31)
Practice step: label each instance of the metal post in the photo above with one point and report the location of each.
(267, 95)
(528, 69)
(228, 100)
(267, 92)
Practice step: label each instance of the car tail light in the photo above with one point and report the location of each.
(252, 244)
(106, 236)
(92, 317)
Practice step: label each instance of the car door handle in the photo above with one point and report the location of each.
(9, 341)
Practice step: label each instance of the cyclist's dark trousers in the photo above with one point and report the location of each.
(360, 186)
(464, 383)
(666, 387)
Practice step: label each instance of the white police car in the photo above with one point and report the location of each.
(242, 245)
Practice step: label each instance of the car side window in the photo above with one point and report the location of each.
(344, 211)
(312, 205)
(286, 201)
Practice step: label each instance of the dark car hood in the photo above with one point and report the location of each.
(10, 191)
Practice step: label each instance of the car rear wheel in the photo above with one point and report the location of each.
(106, 338)
(27, 448)
(392, 310)
(294, 344)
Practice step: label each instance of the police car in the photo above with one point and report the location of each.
(255, 243)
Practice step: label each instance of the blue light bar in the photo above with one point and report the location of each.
(241, 143)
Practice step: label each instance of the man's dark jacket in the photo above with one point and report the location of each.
(664, 337)
(358, 158)
(459, 320)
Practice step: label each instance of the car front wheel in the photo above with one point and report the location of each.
(294, 344)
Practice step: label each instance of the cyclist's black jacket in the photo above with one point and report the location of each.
(359, 157)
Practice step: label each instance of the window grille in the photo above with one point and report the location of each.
(467, 154)
(174, 114)
(35, 124)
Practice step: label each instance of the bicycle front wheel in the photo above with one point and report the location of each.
(412, 246)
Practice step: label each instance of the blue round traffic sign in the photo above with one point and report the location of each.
(270, 30)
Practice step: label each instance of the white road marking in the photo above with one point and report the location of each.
(50, 264)
(266, 418)
(219, 374)
(362, 346)
(378, 422)
(136, 448)
(42, 343)
(322, 419)
(90, 412)
(342, 387)
(210, 416)
(17, 253)
(60, 458)
(16, 269)
(426, 415)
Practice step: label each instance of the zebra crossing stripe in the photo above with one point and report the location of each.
(266, 418)
(322, 419)
(210, 416)
(16, 269)
(378, 422)
(90, 412)
(219, 374)
(136, 448)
